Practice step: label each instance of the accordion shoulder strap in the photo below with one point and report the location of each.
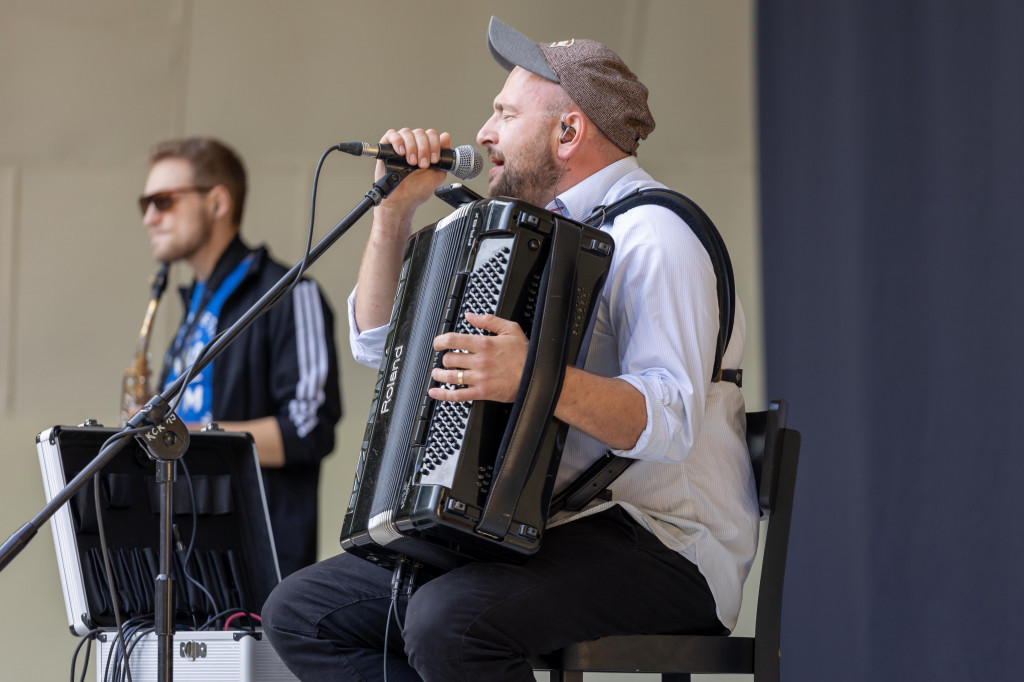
(596, 479)
(705, 230)
(541, 383)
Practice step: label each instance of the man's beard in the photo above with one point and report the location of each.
(531, 179)
(192, 243)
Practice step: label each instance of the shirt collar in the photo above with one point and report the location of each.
(579, 200)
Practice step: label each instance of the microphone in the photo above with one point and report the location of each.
(463, 162)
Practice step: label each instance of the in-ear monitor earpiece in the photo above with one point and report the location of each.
(568, 132)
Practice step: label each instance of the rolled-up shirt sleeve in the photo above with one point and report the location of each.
(367, 346)
(663, 314)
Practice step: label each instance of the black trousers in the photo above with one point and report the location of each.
(598, 576)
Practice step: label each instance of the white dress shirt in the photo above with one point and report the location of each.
(656, 327)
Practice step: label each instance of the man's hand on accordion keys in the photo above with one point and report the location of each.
(481, 366)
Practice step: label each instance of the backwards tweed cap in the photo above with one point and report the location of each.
(593, 75)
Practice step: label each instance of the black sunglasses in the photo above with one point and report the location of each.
(164, 201)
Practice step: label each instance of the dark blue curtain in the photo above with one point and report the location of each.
(891, 140)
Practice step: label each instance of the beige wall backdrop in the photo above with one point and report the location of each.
(87, 88)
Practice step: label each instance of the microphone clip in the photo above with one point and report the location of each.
(167, 437)
(397, 171)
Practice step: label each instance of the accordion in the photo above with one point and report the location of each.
(443, 483)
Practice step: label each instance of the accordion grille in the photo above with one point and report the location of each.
(481, 295)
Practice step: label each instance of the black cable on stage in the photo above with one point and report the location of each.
(192, 540)
(387, 629)
(136, 638)
(217, 616)
(397, 578)
(104, 550)
(118, 662)
(86, 640)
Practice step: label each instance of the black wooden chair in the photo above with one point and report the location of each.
(774, 451)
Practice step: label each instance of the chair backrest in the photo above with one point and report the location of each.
(764, 433)
(774, 453)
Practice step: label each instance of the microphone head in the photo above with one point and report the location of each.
(468, 162)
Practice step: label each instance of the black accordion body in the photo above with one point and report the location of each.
(443, 483)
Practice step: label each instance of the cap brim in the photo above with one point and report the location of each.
(510, 49)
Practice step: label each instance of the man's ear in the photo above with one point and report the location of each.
(219, 200)
(573, 129)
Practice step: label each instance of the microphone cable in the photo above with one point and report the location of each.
(397, 576)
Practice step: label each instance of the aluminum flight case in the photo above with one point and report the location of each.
(218, 492)
(208, 656)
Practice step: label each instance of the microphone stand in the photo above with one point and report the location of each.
(166, 438)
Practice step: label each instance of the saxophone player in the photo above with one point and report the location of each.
(279, 379)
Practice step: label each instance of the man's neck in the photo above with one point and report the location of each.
(205, 259)
(585, 165)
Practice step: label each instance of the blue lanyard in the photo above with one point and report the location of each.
(200, 327)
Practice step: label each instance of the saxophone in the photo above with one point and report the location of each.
(135, 386)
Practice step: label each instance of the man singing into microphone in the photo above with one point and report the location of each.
(279, 379)
(670, 552)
